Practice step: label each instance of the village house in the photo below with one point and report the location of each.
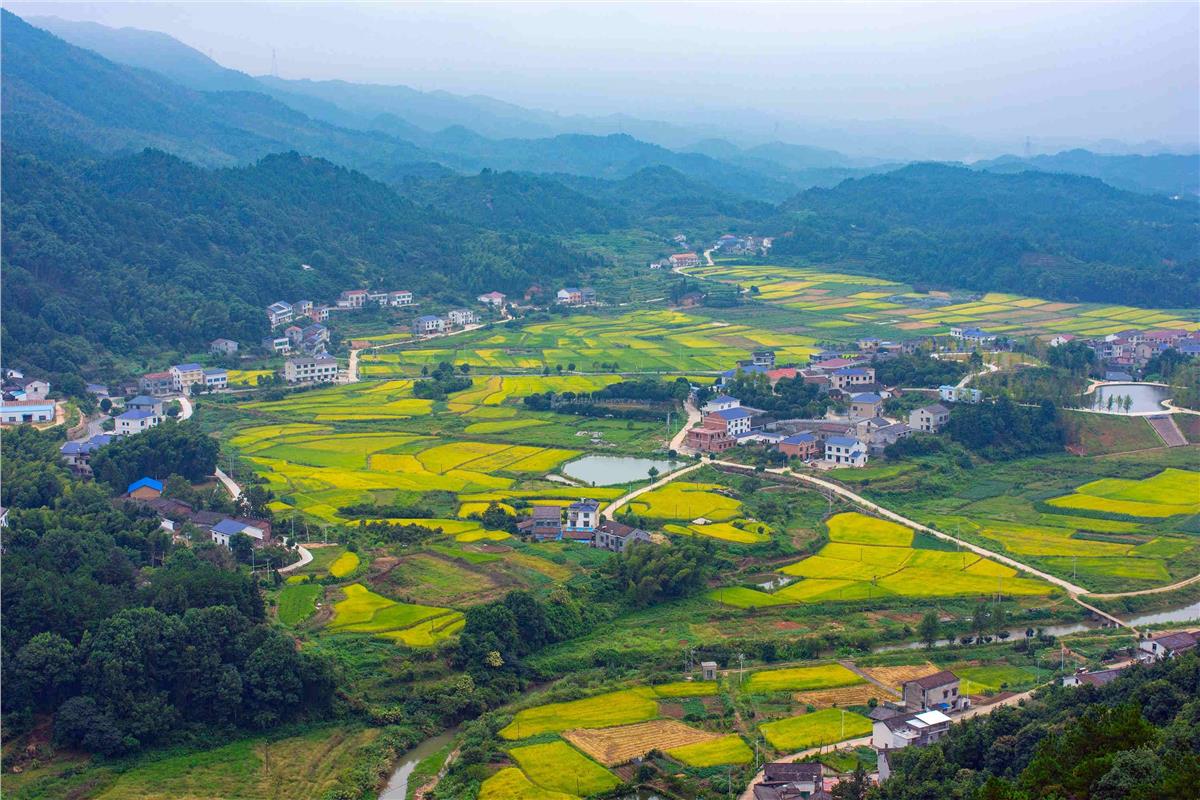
(78, 455)
(280, 345)
(851, 377)
(378, 298)
(799, 445)
(845, 451)
(353, 298)
(1058, 340)
(136, 421)
(428, 324)
(929, 419)
(916, 728)
(293, 333)
(959, 394)
(721, 402)
(216, 378)
(865, 405)
(302, 308)
(310, 369)
(973, 336)
(157, 384)
(740, 371)
(98, 390)
(732, 421)
(763, 358)
(400, 298)
(227, 528)
(319, 314)
(278, 313)
(183, 376)
(1101, 677)
(35, 390)
(569, 296)
(779, 373)
(939, 691)
(145, 403)
(582, 516)
(494, 299)
(144, 489)
(222, 347)
(790, 781)
(1161, 646)
(587, 296)
(544, 524)
(314, 338)
(882, 436)
(460, 317)
(708, 440)
(618, 537)
(690, 300)
(684, 260)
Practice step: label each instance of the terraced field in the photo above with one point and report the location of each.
(558, 767)
(827, 726)
(614, 708)
(617, 745)
(850, 305)
(682, 500)
(869, 558)
(364, 611)
(1169, 493)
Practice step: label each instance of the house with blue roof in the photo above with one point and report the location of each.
(145, 489)
(136, 421)
(749, 369)
(77, 455)
(227, 528)
(845, 451)
(731, 421)
(803, 445)
(583, 516)
(721, 402)
(865, 405)
(184, 376)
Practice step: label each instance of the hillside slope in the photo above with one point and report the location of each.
(1057, 236)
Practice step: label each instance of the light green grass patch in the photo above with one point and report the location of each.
(298, 602)
(511, 784)
(686, 689)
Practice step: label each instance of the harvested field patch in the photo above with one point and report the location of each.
(896, 677)
(612, 746)
(844, 696)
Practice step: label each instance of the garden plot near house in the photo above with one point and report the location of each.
(827, 726)
(858, 695)
(897, 676)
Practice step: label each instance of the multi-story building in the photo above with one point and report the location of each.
(733, 421)
(145, 403)
(302, 308)
(399, 298)
(845, 451)
(428, 324)
(216, 378)
(803, 446)
(939, 691)
(279, 312)
(353, 298)
(851, 377)
(458, 317)
(136, 421)
(543, 524)
(582, 516)
(156, 384)
(709, 440)
(281, 345)
(684, 260)
(618, 537)
(929, 419)
(219, 347)
(78, 455)
(865, 405)
(495, 299)
(183, 376)
(310, 369)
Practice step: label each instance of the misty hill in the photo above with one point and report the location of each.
(1058, 236)
(150, 253)
(1158, 174)
(56, 96)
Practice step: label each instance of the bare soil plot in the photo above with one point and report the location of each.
(897, 676)
(611, 746)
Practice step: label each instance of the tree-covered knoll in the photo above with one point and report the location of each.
(1057, 236)
(150, 253)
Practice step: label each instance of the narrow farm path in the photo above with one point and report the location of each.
(616, 505)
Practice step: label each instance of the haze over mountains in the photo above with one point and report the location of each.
(386, 186)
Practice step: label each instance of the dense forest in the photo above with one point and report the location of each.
(1056, 236)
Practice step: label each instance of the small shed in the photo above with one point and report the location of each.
(709, 670)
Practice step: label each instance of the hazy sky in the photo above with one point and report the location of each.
(996, 71)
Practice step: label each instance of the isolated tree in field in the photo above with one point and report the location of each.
(928, 628)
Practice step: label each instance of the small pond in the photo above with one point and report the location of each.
(1143, 396)
(610, 470)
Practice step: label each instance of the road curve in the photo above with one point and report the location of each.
(693, 418)
(616, 505)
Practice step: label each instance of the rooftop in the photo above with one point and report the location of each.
(144, 483)
(799, 438)
(143, 400)
(138, 413)
(866, 397)
(843, 441)
(732, 413)
(936, 679)
(188, 367)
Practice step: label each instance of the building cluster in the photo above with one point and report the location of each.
(221, 528)
(581, 522)
(1125, 353)
(281, 312)
(572, 296)
(25, 400)
(731, 245)
(312, 339)
(454, 319)
(180, 379)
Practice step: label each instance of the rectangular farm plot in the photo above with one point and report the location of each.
(723, 531)
(561, 768)
(686, 689)
(729, 749)
(825, 676)
(896, 677)
(826, 726)
(614, 708)
(858, 695)
(854, 528)
(617, 745)
(1170, 492)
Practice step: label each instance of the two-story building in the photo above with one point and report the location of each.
(618, 537)
(939, 690)
(803, 445)
(311, 369)
(157, 384)
(708, 440)
(865, 405)
(400, 298)
(78, 455)
(494, 299)
(279, 312)
(791, 780)
(845, 451)
(569, 296)
(461, 317)
(544, 523)
(428, 324)
(136, 421)
(679, 260)
(929, 419)
(216, 378)
(145, 403)
(228, 528)
(277, 345)
(353, 298)
(721, 402)
(222, 347)
(850, 378)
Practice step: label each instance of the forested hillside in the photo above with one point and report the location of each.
(1057, 236)
(1165, 173)
(148, 252)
